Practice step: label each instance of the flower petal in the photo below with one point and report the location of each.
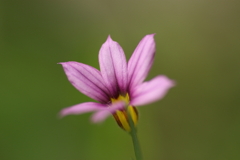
(151, 91)
(101, 115)
(87, 80)
(141, 61)
(113, 66)
(82, 108)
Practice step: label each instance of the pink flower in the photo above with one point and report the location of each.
(118, 86)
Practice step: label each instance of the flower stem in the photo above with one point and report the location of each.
(135, 141)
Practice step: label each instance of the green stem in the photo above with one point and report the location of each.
(135, 141)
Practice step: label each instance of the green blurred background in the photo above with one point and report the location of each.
(198, 45)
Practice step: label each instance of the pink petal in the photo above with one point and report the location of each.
(101, 115)
(151, 91)
(82, 108)
(113, 66)
(141, 61)
(87, 80)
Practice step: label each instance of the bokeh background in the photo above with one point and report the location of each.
(198, 45)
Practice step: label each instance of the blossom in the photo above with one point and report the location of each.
(119, 86)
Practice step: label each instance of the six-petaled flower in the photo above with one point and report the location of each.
(119, 86)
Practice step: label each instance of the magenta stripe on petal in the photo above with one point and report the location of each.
(151, 91)
(82, 108)
(101, 115)
(113, 66)
(141, 61)
(87, 80)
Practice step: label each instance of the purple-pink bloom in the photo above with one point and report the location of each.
(118, 84)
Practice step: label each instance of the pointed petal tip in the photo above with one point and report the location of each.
(108, 42)
(150, 35)
(60, 115)
(153, 34)
(173, 83)
(109, 38)
(170, 82)
(64, 63)
(64, 112)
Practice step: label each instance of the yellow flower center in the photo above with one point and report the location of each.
(121, 116)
